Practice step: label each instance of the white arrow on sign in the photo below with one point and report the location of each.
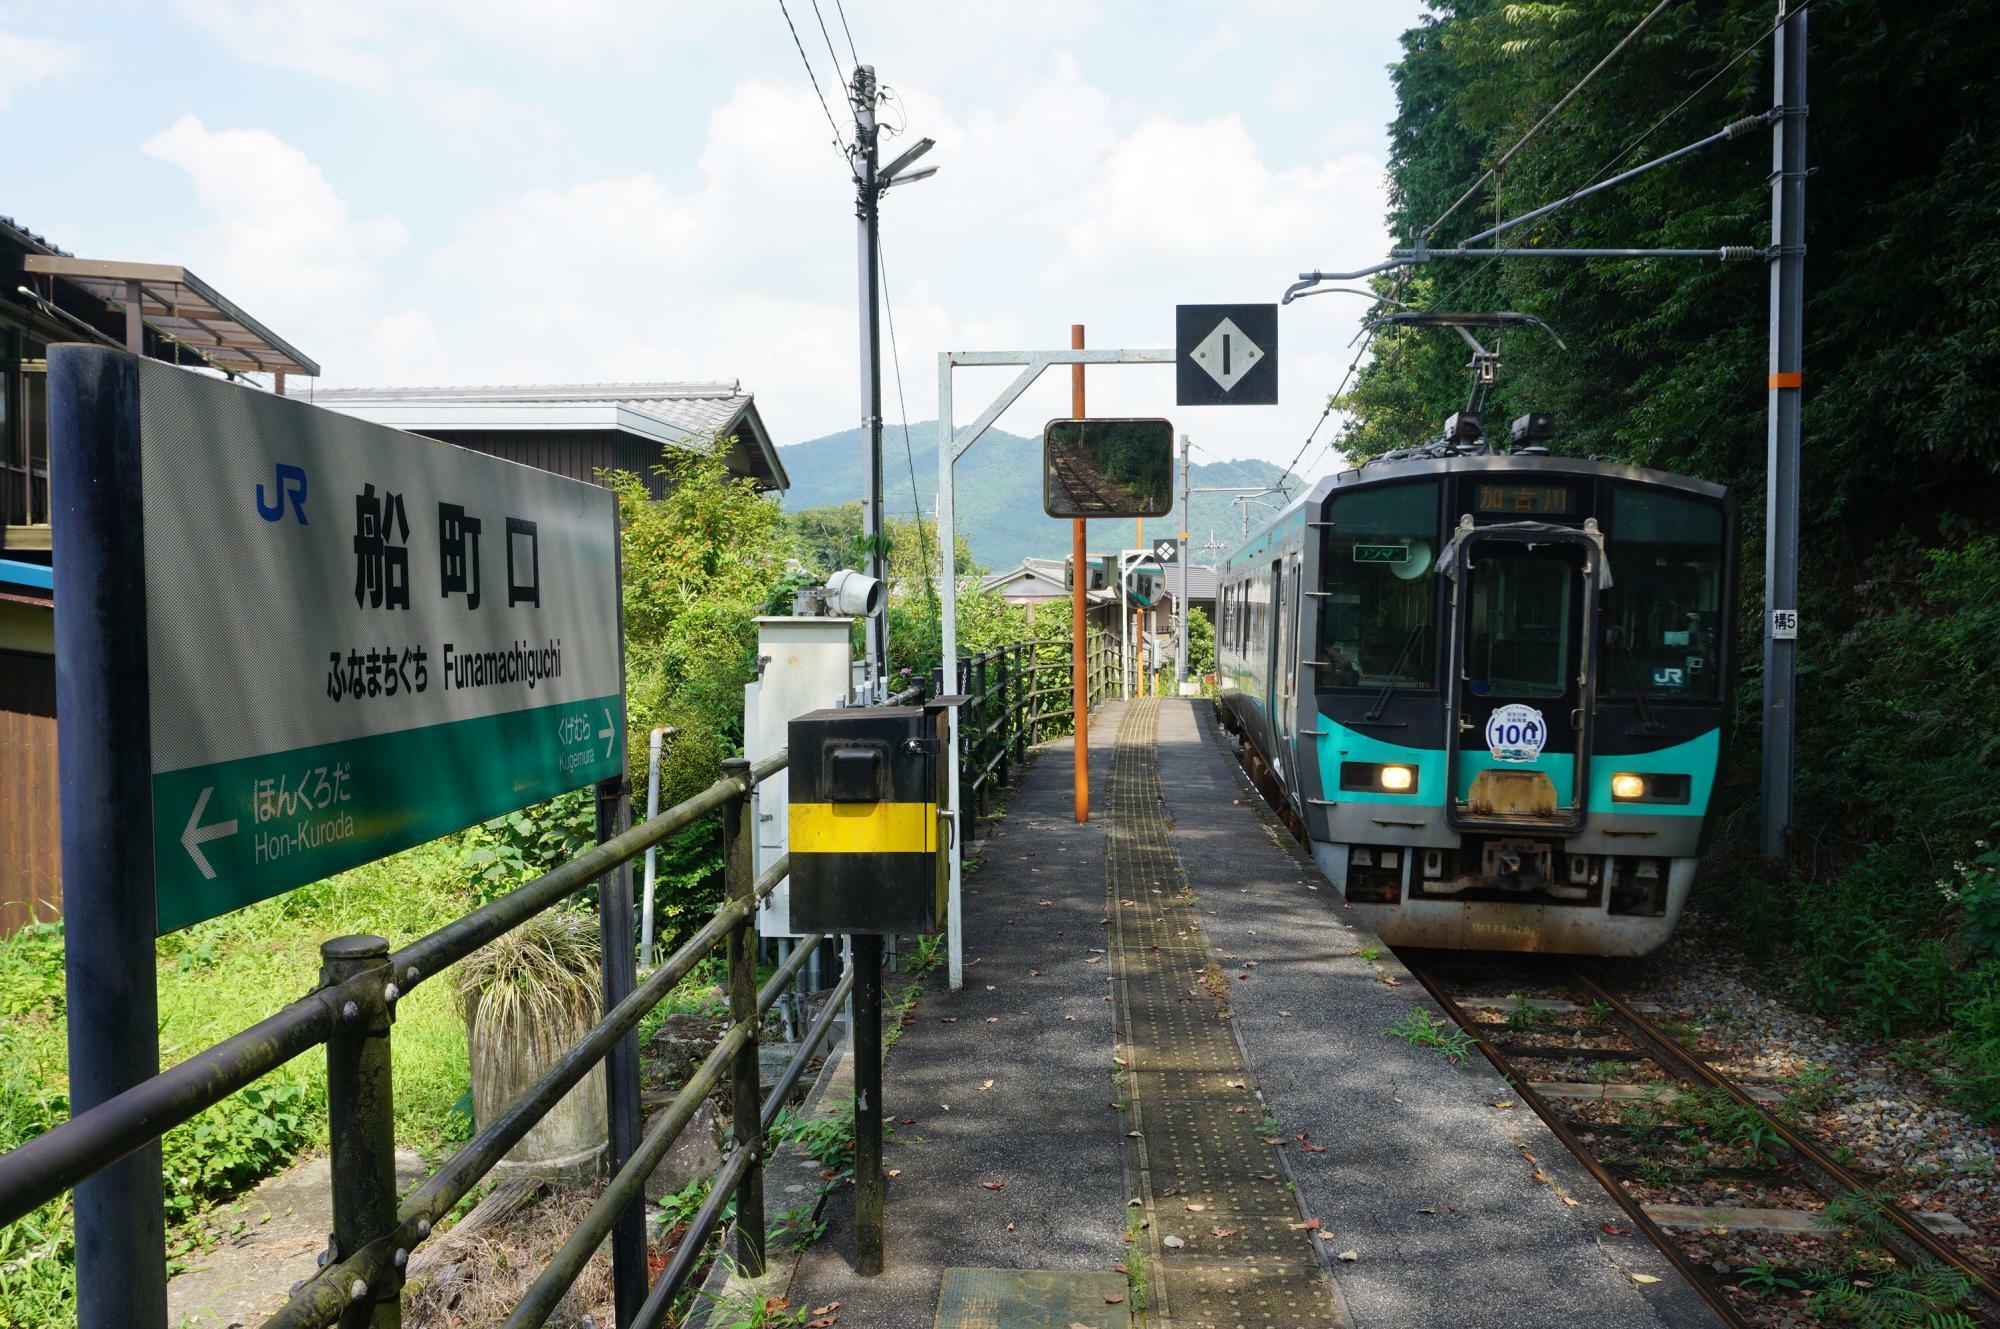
(606, 733)
(1227, 354)
(196, 835)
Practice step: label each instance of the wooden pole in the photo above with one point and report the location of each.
(1079, 594)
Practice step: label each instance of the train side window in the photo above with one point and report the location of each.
(1377, 620)
(1662, 616)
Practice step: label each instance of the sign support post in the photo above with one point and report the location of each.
(1079, 598)
(106, 774)
(953, 444)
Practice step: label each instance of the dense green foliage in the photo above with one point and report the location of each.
(214, 979)
(1899, 725)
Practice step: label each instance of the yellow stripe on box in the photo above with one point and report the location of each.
(863, 828)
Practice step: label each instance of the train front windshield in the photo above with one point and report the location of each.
(1377, 626)
(1662, 618)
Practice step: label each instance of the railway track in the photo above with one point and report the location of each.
(1649, 1117)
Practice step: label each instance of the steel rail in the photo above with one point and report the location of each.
(1634, 1211)
(1679, 1060)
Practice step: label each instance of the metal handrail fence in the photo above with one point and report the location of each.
(1011, 693)
(352, 1012)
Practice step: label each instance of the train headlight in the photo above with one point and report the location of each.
(1368, 777)
(1628, 788)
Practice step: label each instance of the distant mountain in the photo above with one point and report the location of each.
(1000, 493)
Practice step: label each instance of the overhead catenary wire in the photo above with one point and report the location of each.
(839, 144)
(1549, 115)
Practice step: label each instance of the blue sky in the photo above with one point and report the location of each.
(500, 191)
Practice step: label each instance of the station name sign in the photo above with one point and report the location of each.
(356, 639)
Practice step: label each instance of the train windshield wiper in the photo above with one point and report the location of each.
(1395, 673)
(1646, 720)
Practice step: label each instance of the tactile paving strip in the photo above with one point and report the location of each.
(1202, 1164)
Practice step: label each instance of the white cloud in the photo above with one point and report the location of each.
(27, 61)
(281, 239)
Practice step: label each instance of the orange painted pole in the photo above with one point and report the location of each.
(1079, 658)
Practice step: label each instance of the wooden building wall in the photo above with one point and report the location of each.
(577, 453)
(30, 865)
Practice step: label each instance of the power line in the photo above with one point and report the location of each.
(839, 80)
(839, 144)
(842, 11)
(1226, 462)
(1548, 116)
(909, 455)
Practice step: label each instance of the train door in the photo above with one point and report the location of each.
(1525, 613)
(1285, 672)
(1276, 638)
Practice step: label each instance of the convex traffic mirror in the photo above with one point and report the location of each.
(1108, 468)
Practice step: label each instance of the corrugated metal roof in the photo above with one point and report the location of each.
(695, 408)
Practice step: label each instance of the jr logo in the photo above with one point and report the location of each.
(290, 483)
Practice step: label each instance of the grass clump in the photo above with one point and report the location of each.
(1419, 1028)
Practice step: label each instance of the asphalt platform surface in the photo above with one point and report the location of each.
(1455, 1211)
(1007, 1081)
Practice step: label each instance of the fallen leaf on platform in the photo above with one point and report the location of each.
(1092, 959)
(1612, 1228)
(947, 1019)
(1644, 1278)
(1567, 1200)
(1132, 1135)
(906, 1121)
(1034, 973)
(1233, 1084)
(1222, 1232)
(1010, 1227)
(1286, 1014)
(895, 1172)
(824, 1322)
(991, 988)
(827, 1174)
(1119, 1268)
(827, 1309)
(985, 1085)
(1173, 1243)
(1350, 1256)
(1196, 1208)
(1310, 1225)
(1429, 1210)
(1170, 1192)
(993, 1019)
(994, 1185)
(1113, 1298)
(945, 1106)
(1128, 902)
(1243, 975)
(1503, 1104)
(1313, 1148)
(1043, 903)
(1069, 1017)
(777, 1303)
(1135, 1203)
(1267, 1176)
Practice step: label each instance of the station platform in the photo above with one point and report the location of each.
(1166, 1095)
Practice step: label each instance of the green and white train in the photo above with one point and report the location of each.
(1493, 690)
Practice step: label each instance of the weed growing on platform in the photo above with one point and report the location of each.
(796, 1228)
(1419, 1028)
(1138, 1265)
(926, 954)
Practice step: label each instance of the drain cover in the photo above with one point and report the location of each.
(1031, 1299)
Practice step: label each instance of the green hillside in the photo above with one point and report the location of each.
(1000, 492)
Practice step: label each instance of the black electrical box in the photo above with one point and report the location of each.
(865, 837)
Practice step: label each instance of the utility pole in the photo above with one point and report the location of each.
(868, 216)
(1781, 524)
(870, 183)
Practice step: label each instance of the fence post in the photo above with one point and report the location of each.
(617, 960)
(361, 1120)
(746, 1093)
(1005, 770)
